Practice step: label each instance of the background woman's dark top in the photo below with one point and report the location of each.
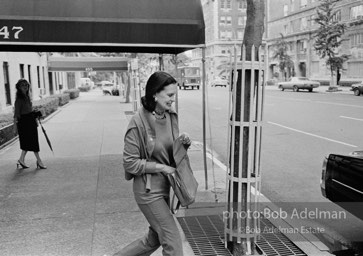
(27, 125)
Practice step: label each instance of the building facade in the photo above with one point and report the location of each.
(294, 19)
(33, 66)
(224, 28)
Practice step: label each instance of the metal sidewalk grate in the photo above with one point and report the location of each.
(205, 235)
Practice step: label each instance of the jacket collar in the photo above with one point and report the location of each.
(148, 121)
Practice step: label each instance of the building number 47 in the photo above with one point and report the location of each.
(4, 31)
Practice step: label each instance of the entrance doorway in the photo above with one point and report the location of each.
(302, 69)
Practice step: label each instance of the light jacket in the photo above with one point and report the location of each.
(143, 126)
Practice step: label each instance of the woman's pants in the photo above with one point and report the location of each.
(162, 231)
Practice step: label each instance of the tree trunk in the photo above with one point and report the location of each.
(252, 36)
(128, 86)
(333, 80)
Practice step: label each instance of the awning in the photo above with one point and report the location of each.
(153, 26)
(87, 64)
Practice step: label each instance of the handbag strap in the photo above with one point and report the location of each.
(172, 209)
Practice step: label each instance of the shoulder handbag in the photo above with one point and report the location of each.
(182, 180)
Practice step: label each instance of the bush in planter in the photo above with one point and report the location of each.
(7, 128)
(46, 105)
(62, 97)
(84, 88)
(6, 119)
(73, 93)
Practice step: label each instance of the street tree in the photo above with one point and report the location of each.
(252, 37)
(328, 37)
(286, 64)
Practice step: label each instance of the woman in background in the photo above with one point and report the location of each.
(26, 124)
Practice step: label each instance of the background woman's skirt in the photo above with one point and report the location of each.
(28, 133)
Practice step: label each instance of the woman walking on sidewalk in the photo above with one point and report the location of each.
(26, 123)
(147, 156)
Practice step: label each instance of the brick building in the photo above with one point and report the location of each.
(32, 66)
(294, 19)
(224, 28)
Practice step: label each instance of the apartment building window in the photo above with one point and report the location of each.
(7, 83)
(303, 24)
(30, 78)
(229, 34)
(356, 12)
(239, 34)
(242, 4)
(356, 40)
(228, 4)
(43, 74)
(286, 29)
(286, 9)
(38, 76)
(223, 4)
(229, 20)
(337, 16)
(301, 46)
(222, 20)
(292, 5)
(29, 74)
(21, 69)
(223, 34)
(303, 3)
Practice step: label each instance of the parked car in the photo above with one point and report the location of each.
(85, 81)
(219, 81)
(108, 88)
(342, 181)
(357, 88)
(298, 83)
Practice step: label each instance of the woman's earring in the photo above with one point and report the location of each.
(156, 99)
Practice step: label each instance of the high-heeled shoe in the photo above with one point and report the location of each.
(23, 165)
(39, 166)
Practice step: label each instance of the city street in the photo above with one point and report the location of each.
(299, 130)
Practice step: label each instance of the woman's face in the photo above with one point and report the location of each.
(166, 97)
(24, 88)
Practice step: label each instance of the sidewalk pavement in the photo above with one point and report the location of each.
(81, 204)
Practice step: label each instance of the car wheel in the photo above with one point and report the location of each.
(356, 92)
(295, 88)
(281, 88)
(311, 89)
(197, 87)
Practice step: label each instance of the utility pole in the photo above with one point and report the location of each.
(241, 217)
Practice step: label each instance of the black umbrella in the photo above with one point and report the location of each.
(46, 136)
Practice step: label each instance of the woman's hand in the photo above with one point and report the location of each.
(165, 168)
(185, 139)
(168, 169)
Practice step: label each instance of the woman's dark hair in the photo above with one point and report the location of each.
(19, 93)
(155, 84)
